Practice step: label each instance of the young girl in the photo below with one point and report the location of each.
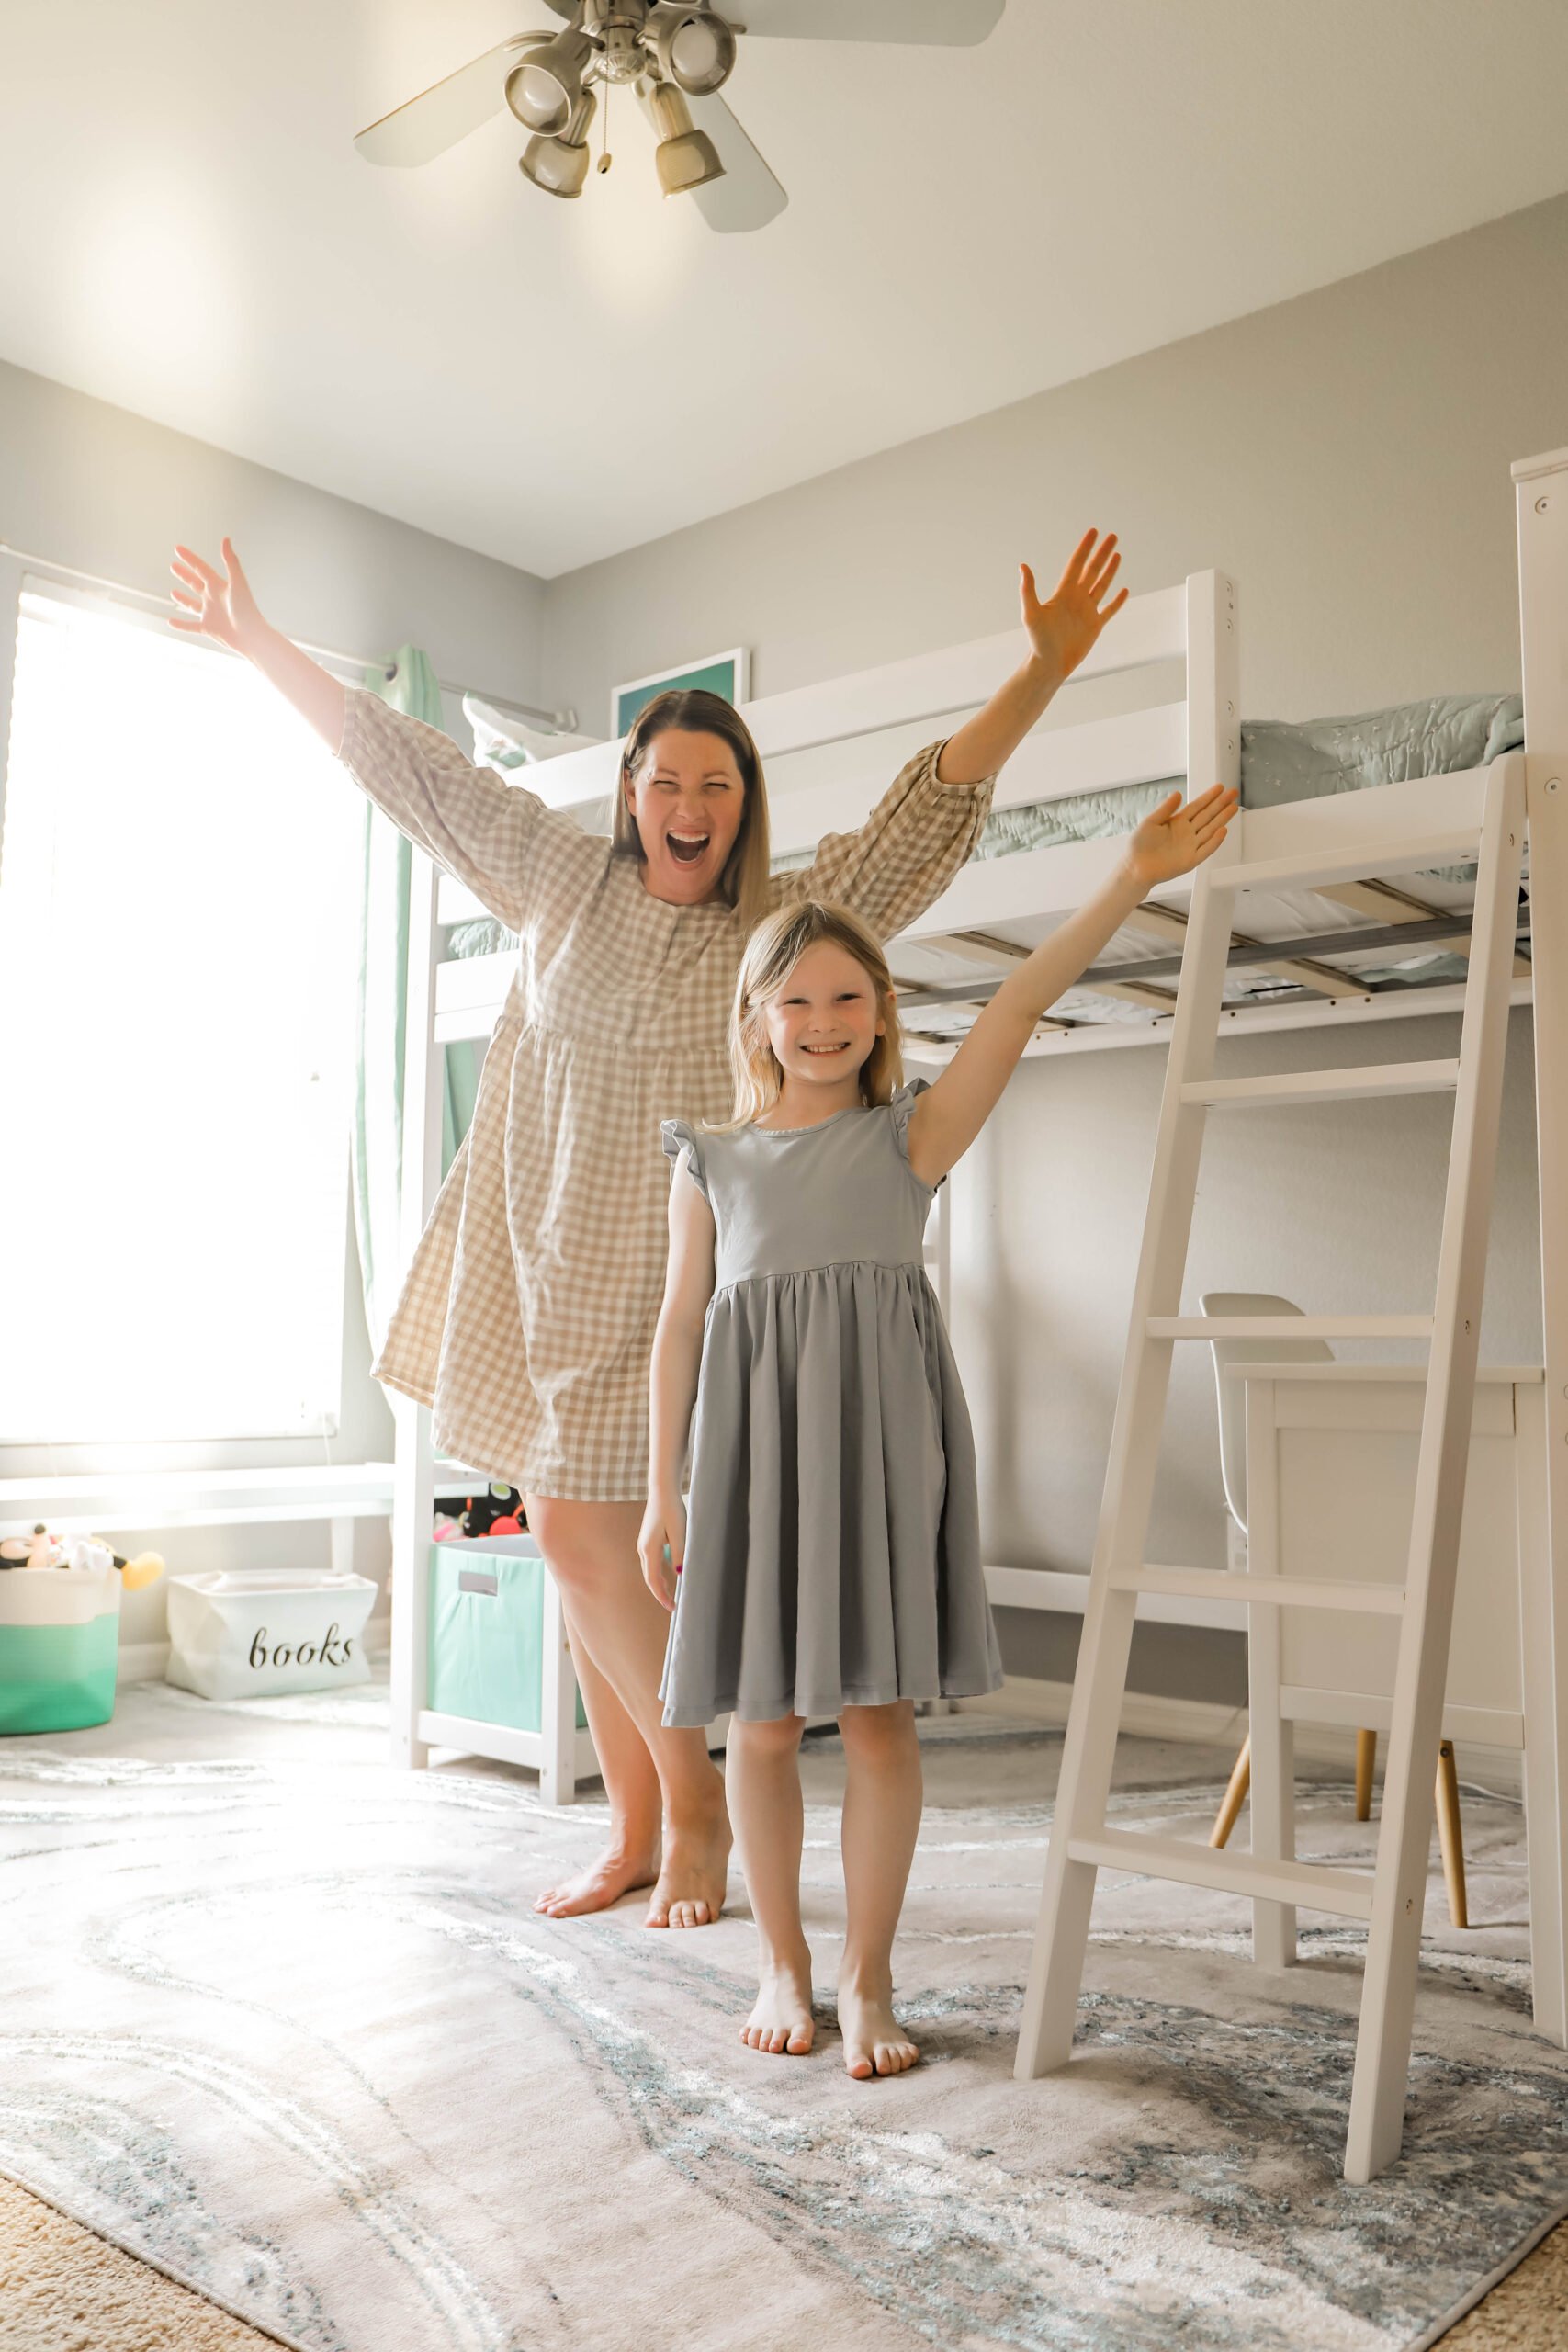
(832, 1565)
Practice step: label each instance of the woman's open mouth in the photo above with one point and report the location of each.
(687, 849)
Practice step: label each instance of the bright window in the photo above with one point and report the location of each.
(179, 880)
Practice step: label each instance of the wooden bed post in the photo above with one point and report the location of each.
(1541, 489)
(413, 1471)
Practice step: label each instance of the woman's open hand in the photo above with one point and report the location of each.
(661, 1546)
(1178, 835)
(214, 604)
(1066, 626)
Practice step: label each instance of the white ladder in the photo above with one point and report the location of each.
(1390, 1898)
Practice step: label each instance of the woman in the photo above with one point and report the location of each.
(527, 1322)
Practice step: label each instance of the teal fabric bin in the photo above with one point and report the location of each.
(59, 1647)
(486, 1610)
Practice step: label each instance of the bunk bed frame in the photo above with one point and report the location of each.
(831, 750)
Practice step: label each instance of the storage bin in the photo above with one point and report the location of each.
(59, 1647)
(487, 1637)
(254, 1636)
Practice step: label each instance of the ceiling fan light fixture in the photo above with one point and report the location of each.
(685, 157)
(545, 88)
(695, 49)
(559, 166)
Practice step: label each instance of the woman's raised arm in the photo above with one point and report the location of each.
(218, 605)
(1062, 627)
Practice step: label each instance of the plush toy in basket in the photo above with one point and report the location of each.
(60, 1628)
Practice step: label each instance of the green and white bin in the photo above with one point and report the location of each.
(487, 1631)
(59, 1647)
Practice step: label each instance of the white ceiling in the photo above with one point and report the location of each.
(190, 234)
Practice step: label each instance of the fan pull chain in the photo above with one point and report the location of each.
(605, 158)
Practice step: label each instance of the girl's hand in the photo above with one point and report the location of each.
(663, 1524)
(1178, 835)
(215, 605)
(1066, 626)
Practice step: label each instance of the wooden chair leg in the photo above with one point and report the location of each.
(1451, 1836)
(1366, 1765)
(1235, 1796)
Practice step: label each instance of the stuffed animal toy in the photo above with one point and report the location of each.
(42, 1550)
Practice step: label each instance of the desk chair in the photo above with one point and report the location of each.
(1231, 1397)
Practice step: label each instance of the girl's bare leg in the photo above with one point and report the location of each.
(881, 1821)
(762, 1777)
(618, 1627)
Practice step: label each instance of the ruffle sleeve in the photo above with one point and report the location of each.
(679, 1138)
(899, 1110)
(915, 839)
(496, 838)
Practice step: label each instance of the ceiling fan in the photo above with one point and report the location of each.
(676, 56)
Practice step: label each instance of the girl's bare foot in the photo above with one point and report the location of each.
(623, 1864)
(782, 2023)
(690, 1889)
(874, 2041)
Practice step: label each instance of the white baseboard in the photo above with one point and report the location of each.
(143, 1661)
(1026, 1699)
(1146, 1715)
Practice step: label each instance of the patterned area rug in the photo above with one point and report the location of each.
(284, 2024)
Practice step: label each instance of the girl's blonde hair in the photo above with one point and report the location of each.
(691, 710)
(772, 954)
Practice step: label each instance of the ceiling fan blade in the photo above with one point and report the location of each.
(949, 24)
(426, 126)
(748, 197)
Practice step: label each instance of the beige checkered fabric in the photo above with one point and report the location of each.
(528, 1318)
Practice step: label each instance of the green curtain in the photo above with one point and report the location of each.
(382, 1020)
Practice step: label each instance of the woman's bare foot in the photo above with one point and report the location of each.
(689, 1890)
(874, 2041)
(782, 2023)
(622, 1866)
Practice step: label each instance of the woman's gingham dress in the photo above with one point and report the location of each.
(526, 1321)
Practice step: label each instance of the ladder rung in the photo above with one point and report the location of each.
(1284, 1592)
(1289, 1327)
(1348, 1894)
(1347, 865)
(1328, 1085)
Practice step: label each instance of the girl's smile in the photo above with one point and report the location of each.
(822, 1024)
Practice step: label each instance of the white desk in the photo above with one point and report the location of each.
(1330, 1481)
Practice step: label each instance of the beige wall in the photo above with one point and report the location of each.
(1346, 456)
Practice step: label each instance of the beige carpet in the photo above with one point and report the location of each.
(62, 2289)
(281, 2020)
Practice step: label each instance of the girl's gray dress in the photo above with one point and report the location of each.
(833, 1530)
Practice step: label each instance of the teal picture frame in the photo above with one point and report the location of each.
(719, 673)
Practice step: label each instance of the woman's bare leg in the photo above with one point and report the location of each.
(631, 1857)
(590, 1550)
(881, 1821)
(762, 1777)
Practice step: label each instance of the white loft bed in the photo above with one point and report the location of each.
(830, 751)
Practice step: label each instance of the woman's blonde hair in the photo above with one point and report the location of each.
(691, 710)
(773, 950)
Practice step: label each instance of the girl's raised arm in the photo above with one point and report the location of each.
(673, 1378)
(219, 605)
(1172, 840)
